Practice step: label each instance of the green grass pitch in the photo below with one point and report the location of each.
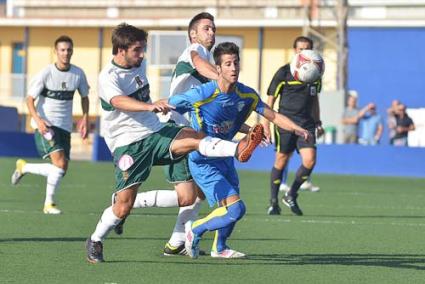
(355, 230)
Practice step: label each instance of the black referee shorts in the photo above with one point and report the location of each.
(286, 142)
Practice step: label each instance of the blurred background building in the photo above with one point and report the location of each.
(373, 46)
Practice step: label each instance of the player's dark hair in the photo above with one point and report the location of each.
(225, 48)
(63, 38)
(303, 39)
(195, 20)
(124, 35)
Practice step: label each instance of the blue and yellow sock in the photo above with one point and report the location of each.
(220, 218)
(221, 236)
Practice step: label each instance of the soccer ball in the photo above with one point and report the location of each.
(307, 66)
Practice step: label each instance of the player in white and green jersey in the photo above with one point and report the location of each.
(54, 87)
(139, 141)
(193, 68)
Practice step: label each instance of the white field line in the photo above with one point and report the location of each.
(347, 222)
(346, 206)
(308, 221)
(26, 185)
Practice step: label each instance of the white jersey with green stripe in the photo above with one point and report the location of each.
(118, 127)
(55, 91)
(185, 75)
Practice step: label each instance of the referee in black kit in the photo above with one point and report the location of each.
(298, 101)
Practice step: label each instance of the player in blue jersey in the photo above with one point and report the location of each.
(219, 109)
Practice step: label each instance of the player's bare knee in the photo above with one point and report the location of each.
(61, 163)
(281, 160)
(122, 209)
(186, 141)
(309, 164)
(186, 199)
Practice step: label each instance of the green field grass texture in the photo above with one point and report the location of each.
(355, 230)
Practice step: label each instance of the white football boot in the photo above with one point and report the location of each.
(51, 209)
(18, 173)
(308, 186)
(228, 253)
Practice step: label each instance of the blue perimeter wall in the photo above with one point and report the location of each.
(17, 144)
(351, 160)
(387, 64)
(332, 159)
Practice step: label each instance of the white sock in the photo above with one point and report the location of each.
(53, 180)
(106, 223)
(216, 147)
(38, 169)
(156, 198)
(188, 213)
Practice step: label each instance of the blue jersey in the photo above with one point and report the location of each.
(215, 113)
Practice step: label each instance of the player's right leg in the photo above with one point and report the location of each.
(308, 157)
(218, 219)
(60, 166)
(283, 183)
(275, 181)
(189, 140)
(175, 245)
(220, 186)
(111, 217)
(285, 145)
(57, 148)
(133, 164)
(19, 171)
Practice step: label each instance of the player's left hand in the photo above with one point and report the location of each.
(265, 142)
(305, 134)
(83, 127)
(162, 106)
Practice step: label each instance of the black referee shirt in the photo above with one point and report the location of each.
(296, 98)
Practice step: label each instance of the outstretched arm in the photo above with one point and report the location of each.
(285, 123)
(125, 103)
(270, 103)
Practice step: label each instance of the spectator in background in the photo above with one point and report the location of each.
(404, 124)
(392, 120)
(372, 127)
(351, 117)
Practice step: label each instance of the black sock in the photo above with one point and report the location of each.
(275, 179)
(300, 177)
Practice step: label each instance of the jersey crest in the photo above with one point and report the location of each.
(241, 105)
(313, 90)
(139, 81)
(224, 127)
(142, 94)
